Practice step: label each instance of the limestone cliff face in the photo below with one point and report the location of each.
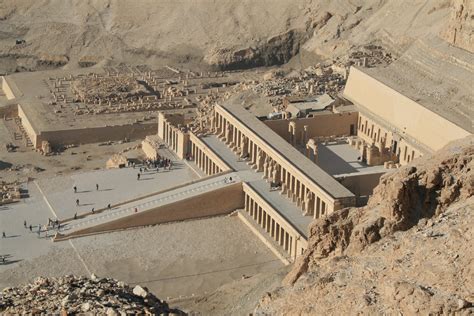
(460, 29)
(393, 254)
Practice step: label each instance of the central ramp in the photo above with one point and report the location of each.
(212, 196)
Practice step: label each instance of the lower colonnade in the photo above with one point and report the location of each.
(292, 241)
(204, 158)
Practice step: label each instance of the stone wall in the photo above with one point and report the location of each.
(401, 113)
(98, 134)
(29, 129)
(361, 184)
(7, 89)
(219, 202)
(323, 125)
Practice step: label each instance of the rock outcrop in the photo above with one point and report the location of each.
(70, 295)
(460, 29)
(406, 251)
(277, 50)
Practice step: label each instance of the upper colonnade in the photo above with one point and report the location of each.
(310, 187)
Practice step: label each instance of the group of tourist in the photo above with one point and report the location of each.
(154, 164)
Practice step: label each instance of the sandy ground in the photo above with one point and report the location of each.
(186, 258)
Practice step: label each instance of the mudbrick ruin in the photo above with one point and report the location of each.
(306, 158)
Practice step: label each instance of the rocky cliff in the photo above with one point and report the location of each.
(225, 34)
(406, 252)
(460, 28)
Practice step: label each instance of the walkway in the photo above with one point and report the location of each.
(180, 193)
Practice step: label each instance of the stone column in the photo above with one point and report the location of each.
(244, 147)
(228, 133)
(260, 161)
(265, 167)
(277, 233)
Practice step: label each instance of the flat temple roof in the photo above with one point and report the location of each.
(326, 182)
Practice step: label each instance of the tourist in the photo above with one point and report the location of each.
(77, 202)
(75, 189)
(92, 210)
(138, 176)
(4, 235)
(96, 187)
(59, 226)
(75, 215)
(109, 206)
(24, 223)
(230, 179)
(136, 209)
(225, 180)
(31, 228)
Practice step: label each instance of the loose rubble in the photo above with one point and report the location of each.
(9, 192)
(71, 294)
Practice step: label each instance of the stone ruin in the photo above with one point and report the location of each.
(9, 192)
(119, 90)
(116, 161)
(373, 155)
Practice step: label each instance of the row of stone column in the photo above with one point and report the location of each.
(203, 161)
(170, 136)
(259, 160)
(270, 225)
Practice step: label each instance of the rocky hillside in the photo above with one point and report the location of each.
(460, 29)
(407, 251)
(225, 34)
(70, 295)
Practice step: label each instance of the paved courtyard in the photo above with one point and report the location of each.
(173, 259)
(341, 158)
(55, 198)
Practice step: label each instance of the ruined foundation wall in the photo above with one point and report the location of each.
(404, 114)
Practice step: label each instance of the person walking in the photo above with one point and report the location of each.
(31, 228)
(92, 210)
(109, 206)
(77, 202)
(96, 187)
(138, 176)
(4, 235)
(75, 189)
(75, 215)
(24, 223)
